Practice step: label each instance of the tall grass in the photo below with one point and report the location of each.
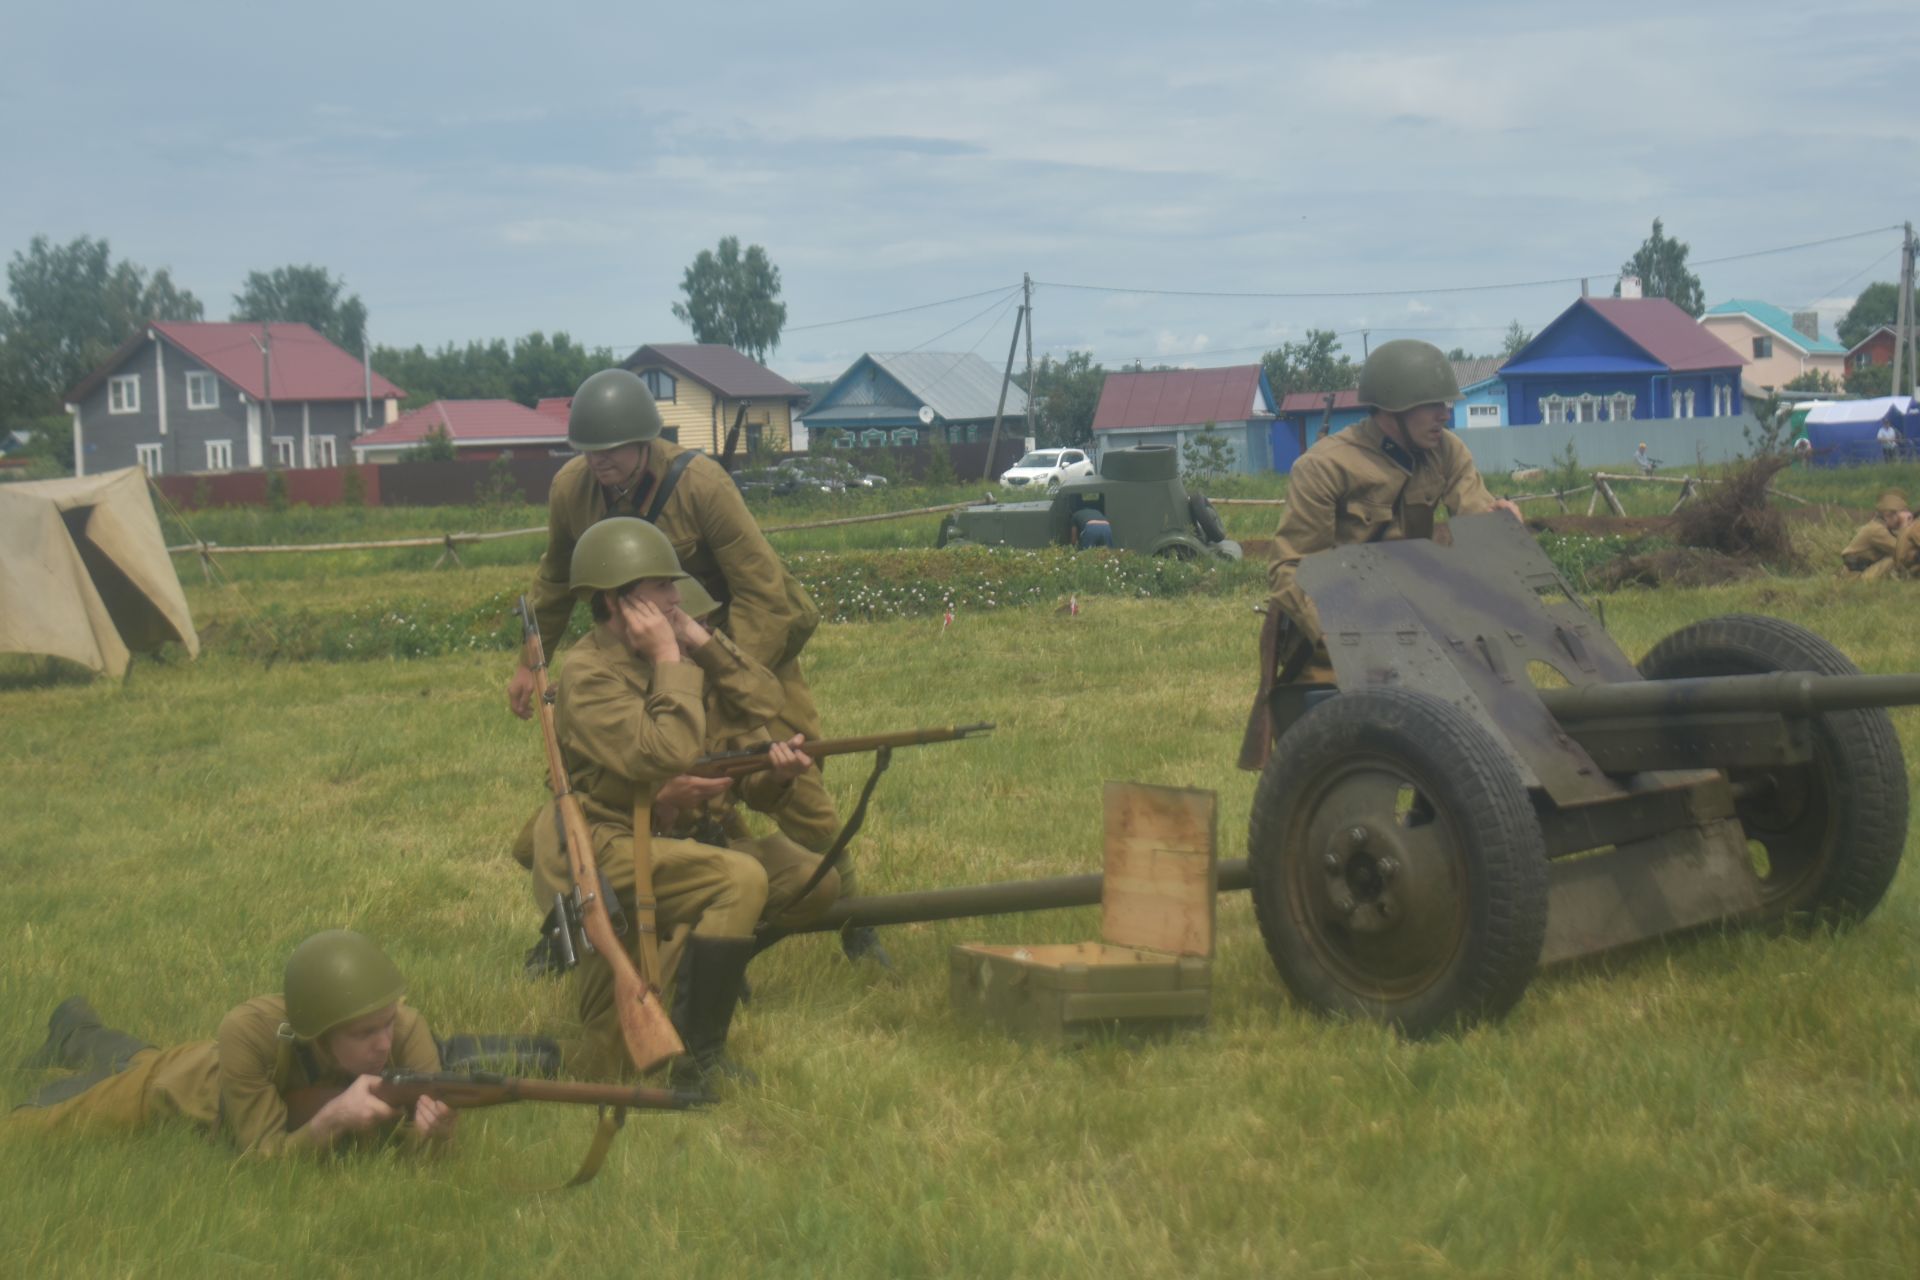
(1729, 1104)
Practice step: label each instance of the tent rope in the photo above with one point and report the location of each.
(250, 617)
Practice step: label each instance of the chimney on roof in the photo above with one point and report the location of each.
(1629, 286)
(1808, 323)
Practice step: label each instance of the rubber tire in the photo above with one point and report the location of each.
(1206, 519)
(1856, 783)
(1177, 551)
(1497, 848)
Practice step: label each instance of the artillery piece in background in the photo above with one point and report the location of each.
(1436, 820)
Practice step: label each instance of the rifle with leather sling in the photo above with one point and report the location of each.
(736, 764)
(644, 1025)
(466, 1090)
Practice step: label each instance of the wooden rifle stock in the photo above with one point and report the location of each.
(644, 1025)
(736, 764)
(465, 1091)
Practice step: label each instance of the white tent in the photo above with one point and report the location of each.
(1875, 410)
(84, 572)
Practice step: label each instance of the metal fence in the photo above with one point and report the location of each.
(1675, 442)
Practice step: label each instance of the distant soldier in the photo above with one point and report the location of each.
(1875, 550)
(1382, 477)
(626, 469)
(338, 1023)
(1643, 461)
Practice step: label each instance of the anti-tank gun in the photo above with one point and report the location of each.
(1473, 780)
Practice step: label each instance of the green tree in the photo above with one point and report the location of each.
(70, 306)
(528, 370)
(1068, 392)
(1517, 337)
(499, 487)
(1661, 265)
(435, 446)
(1315, 363)
(733, 298)
(1877, 304)
(1812, 380)
(1873, 381)
(1206, 455)
(304, 295)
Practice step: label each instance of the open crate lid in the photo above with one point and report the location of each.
(1161, 872)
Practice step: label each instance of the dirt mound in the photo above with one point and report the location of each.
(1674, 567)
(1736, 518)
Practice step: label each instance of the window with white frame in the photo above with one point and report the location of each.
(906, 436)
(873, 438)
(1861, 359)
(149, 457)
(661, 384)
(219, 455)
(1552, 410)
(1723, 402)
(1683, 403)
(1483, 415)
(283, 451)
(1622, 407)
(203, 390)
(325, 452)
(1762, 347)
(1587, 409)
(123, 394)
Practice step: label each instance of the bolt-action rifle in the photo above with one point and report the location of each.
(735, 764)
(644, 1025)
(466, 1090)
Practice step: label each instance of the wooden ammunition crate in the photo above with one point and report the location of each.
(1152, 970)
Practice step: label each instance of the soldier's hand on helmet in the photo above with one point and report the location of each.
(687, 631)
(520, 692)
(434, 1118)
(356, 1109)
(786, 760)
(649, 632)
(1511, 508)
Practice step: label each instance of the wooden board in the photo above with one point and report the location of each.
(1161, 869)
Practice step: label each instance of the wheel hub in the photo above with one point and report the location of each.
(1361, 865)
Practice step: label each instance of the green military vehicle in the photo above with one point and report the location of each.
(1139, 492)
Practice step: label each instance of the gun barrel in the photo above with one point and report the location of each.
(1794, 693)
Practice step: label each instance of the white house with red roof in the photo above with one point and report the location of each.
(480, 430)
(1171, 406)
(187, 397)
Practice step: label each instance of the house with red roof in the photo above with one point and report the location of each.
(183, 397)
(479, 430)
(703, 388)
(1171, 406)
(1618, 359)
(1875, 348)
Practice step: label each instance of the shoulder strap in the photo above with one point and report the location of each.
(667, 482)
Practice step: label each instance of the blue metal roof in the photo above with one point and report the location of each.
(1778, 320)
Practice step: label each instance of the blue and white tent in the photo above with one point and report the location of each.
(1848, 431)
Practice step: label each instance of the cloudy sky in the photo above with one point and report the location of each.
(482, 170)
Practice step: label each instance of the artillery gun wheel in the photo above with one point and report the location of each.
(1833, 829)
(1399, 872)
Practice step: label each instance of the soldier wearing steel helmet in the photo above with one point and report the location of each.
(1883, 547)
(631, 716)
(338, 1023)
(625, 467)
(1381, 478)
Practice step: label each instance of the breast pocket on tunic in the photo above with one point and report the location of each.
(1372, 519)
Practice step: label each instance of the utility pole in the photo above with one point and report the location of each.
(1006, 379)
(266, 376)
(1026, 282)
(1364, 333)
(1903, 311)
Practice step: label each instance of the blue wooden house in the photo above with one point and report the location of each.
(1483, 396)
(1614, 359)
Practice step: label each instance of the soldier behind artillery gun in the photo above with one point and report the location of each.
(1884, 546)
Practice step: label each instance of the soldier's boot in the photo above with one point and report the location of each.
(545, 959)
(506, 1055)
(712, 971)
(861, 941)
(78, 1040)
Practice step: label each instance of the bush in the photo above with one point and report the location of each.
(499, 487)
(276, 490)
(353, 489)
(1204, 456)
(436, 447)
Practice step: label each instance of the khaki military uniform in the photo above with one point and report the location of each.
(1875, 551)
(625, 728)
(235, 1085)
(763, 606)
(1359, 486)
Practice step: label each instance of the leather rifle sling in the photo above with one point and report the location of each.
(648, 947)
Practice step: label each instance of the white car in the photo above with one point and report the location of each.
(1048, 469)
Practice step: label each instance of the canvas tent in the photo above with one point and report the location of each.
(84, 572)
(1847, 431)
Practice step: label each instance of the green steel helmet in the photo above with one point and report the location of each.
(619, 550)
(695, 600)
(1407, 372)
(333, 978)
(612, 408)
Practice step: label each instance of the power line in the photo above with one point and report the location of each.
(1465, 288)
(900, 311)
(997, 302)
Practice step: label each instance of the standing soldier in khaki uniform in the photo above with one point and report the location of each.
(338, 1024)
(628, 470)
(1382, 477)
(1875, 551)
(631, 715)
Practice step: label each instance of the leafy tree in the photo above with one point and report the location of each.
(1458, 354)
(1873, 381)
(71, 306)
(1517, 337)
(304, 295)
(1661, 265)
(1315, 363)
(733, 299)
(1206, 455)
(499, 487)
(1068, 392)
(436, 446)
(1812, 380)
(1877, 304)
(530, 369)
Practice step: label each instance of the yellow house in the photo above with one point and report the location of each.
(703, 388)
(1779, 346)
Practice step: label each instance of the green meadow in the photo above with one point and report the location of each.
(1733, 1103)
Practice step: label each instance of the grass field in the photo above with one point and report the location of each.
(1731, 1104)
